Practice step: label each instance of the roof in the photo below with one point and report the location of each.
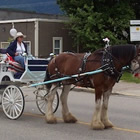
(32, 20)
(27, 14)
(17, 10)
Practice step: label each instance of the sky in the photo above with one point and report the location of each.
(40, 6)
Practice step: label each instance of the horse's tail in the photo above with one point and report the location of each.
(47, 78)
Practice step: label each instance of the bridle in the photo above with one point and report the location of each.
(112, 70)
(136, 61)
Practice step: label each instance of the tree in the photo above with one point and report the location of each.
(91, 21)
(136, 7)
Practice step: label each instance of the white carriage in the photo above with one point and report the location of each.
(12, 97)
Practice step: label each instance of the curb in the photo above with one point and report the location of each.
(126, 94)
(92, 91)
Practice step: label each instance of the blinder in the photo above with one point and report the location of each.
(135, 63)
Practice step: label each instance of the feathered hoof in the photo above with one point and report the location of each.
(97, 125)
(51, 120)
(108, 124)
(69, 118)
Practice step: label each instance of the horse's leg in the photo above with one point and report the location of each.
(104, 115)
(96, 121)
(49, 116)
(67, 116)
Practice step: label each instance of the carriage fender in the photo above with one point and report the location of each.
(9, 77)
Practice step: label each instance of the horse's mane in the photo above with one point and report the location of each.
(123, 51)
(119, 51)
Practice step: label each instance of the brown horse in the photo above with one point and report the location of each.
(111, 59)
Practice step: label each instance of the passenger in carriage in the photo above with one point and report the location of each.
(17, 48)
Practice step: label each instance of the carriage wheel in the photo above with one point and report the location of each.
(41, 101)
(13, 102)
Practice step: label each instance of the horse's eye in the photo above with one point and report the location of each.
(134, 61)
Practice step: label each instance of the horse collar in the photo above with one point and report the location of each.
(107, 59)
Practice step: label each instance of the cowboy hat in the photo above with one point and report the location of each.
(18, 34)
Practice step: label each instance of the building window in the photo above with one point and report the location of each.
(4, 45)
(57, 45)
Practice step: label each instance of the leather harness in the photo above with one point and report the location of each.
(107, 65)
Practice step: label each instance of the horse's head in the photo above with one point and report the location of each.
(135, 63)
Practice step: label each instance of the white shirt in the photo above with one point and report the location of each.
(20, 48)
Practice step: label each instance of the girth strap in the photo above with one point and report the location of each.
(83, 65)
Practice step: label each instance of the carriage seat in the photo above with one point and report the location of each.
(13, 66)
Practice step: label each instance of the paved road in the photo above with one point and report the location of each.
(131, 89)
(124, 112)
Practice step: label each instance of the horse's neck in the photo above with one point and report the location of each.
(120, 63)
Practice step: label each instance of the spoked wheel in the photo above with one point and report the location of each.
(13, 102)
(41, 101)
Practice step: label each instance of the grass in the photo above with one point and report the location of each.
(128, 77)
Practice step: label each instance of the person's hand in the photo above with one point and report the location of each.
(24, 54)
(16, 54)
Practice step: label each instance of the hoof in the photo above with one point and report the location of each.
(51, 120)
(69, 118)
(107, 124)
(97, 125)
